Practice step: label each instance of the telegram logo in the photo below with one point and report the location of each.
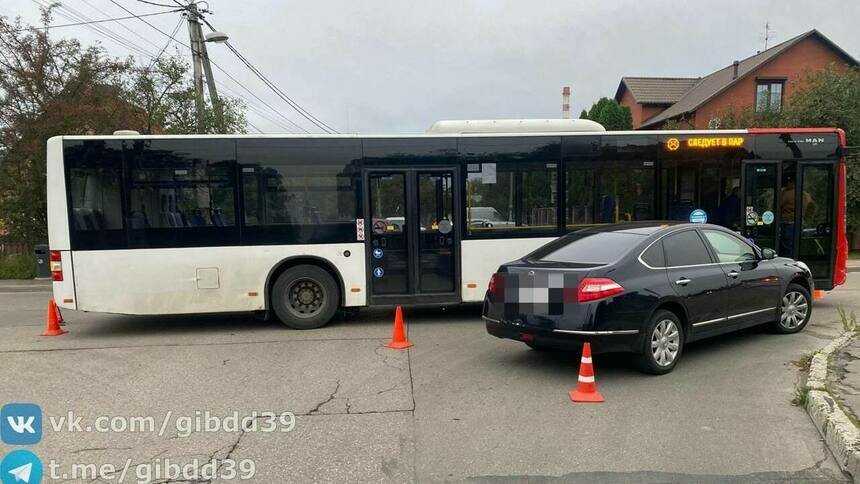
(21, 467)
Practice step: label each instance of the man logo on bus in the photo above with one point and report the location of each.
(673, 144)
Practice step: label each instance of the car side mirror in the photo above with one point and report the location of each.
(767, 253)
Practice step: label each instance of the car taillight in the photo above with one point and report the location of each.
(496, 289)
(594, 288)
(56, 265)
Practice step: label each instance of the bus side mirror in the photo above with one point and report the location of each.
(767, 253)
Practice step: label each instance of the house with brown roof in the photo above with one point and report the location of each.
(761, 82)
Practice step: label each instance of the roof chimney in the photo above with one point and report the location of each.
(735, 67)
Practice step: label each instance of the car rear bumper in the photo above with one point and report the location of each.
(570, 340)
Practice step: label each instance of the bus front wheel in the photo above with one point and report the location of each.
(305, 297)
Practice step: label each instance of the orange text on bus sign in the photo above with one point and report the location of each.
(714, 142)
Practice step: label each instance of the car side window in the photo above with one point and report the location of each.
(685, 249)
(653, 256)
(729, 248)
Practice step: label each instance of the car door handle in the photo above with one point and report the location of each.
(734, 274)
(683, 281)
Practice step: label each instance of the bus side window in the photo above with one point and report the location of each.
(95, 172)
(515, 197)
(177, 185)
(298, 195)
(608, 192)
(299, 190)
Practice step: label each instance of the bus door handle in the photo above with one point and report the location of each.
(683, 281)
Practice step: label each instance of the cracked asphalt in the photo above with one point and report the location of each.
(459, 405)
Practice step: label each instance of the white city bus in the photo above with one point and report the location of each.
(302, 225)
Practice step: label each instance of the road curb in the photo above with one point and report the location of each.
(840, 434)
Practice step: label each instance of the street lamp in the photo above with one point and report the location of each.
(217, 37)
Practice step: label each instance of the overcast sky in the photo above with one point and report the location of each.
(398, 66)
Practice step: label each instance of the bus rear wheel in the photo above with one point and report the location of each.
(305, 297)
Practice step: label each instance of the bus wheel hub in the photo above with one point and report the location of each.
(306, 296)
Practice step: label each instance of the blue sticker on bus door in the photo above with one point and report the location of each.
(378, 272)
(377, 253)
(767, 217)
(698, 216)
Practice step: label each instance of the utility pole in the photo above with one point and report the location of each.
(201, 64)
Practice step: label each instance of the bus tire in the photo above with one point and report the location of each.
(305, 297)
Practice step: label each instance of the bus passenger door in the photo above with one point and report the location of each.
(389, 241)
(413, 243)
(437, 237)
(814, 205)
(760, 208)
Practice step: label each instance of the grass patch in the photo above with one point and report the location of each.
(801, 396)
(805, 360)
(17, 267)
(848, 319)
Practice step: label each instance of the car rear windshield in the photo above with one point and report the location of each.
(593, 248)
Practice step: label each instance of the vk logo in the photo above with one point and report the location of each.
(21, 424)
(21, 467)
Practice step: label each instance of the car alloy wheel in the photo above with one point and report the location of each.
(794, 310)
(665, 342)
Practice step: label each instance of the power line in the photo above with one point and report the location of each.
(290, 121)
(251, 106)
(280, 93)
(146, 40)
(157, 4)
(76, 24)
(172, 37)
(307, 115)
(175, 30)
(268, 83)
(72, 14)
(133, 47)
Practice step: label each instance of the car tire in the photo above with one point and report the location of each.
(662, 343)
(795, 309)
(305, 297)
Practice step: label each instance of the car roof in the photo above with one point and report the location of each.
(646, 228)
(638, 228)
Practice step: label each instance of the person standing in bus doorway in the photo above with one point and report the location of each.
(730, 210)
(788, 212)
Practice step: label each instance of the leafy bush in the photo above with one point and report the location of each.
(17, 267)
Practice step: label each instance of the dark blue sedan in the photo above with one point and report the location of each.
(647, 288)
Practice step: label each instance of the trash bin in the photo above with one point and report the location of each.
(43, 261)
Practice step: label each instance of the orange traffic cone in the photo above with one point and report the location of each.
(586, 390)
(818, 294)
(398, 338)
(53, 324)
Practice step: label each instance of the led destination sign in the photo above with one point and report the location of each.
(706, 142)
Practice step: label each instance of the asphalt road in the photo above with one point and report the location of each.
(459, 405)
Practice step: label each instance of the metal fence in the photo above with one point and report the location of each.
(7, 248)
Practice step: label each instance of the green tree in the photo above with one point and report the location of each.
(164, 94)
(825, 98)
(612, 115)
(832, 98)
(51, 87)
